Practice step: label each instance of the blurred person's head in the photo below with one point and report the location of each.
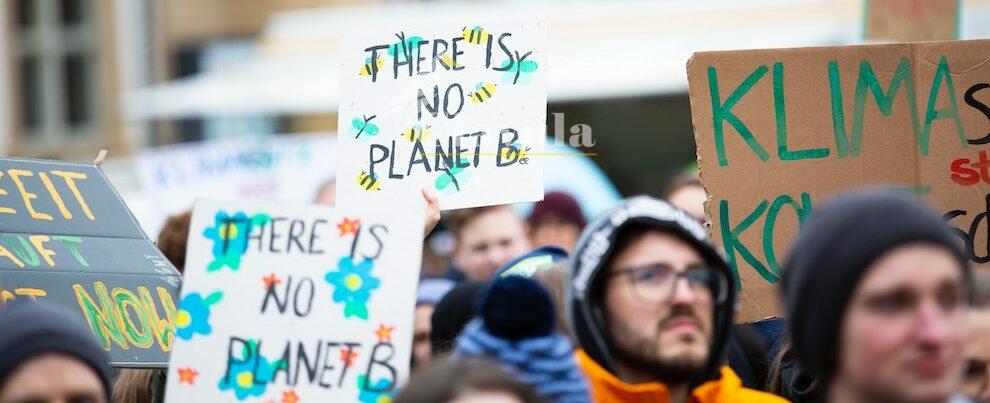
(554, 279)
(327, 193)
(471, 381)
(429, 294)
(47, 355)
(976, 383)
(875, 288)
(686, 193)
(172, 239)
(515, 328)
(557, 220)
(486, 239)
(451, 314)
(651, 299)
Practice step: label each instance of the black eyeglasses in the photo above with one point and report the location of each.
(656, 283)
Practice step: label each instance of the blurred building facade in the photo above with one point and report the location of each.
(62, 78)
(68, 63)
(81, 75)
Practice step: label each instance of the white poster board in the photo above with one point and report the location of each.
(457, 109)
(294, 303)
(279, 169)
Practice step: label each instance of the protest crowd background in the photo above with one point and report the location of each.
(444, 202)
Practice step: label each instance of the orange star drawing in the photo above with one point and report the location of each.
(187, 375)
(271, 281)
(384, 333)
(347, 356)
(348, 226)
(290, 397)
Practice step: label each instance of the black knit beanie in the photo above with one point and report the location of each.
(31, 329)
(840, 240)
(452, 313)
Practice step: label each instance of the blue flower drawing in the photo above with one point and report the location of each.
(380, 392)
(193, 315)
(353, 285)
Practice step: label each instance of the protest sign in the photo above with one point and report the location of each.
(781, 129)
(291, 303)
(911, 20)
(278, 169)
(67, 238)
(457, 109)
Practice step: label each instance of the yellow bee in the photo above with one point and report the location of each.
(449, 61)
(476, 35)
(417, 133)
(368, 181)
(482, 92)
(366, 68)
(510, 153)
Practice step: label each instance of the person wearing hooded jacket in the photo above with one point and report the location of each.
(651, 304)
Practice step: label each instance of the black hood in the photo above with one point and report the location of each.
(594, 249)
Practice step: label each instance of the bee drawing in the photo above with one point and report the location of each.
(371, 66)
(516, 152)
(417, 133)
(482, 92)
(368, 181)
(476, 35)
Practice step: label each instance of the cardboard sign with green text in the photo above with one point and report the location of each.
(779, 130)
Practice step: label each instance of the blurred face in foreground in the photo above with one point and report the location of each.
(659, 309)
(489, 241)
(904, 330)
(53, 378)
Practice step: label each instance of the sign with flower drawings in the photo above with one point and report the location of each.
(459, 109)
(293, 304)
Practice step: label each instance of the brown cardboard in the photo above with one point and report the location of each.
(889, 155)
(911, 20)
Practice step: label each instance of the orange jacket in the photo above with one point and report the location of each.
(607, 388)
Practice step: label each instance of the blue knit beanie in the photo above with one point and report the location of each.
(515, 328)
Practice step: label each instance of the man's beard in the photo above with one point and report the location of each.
(642, 354)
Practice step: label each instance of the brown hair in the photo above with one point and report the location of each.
(133, 385)
(456, 220)
(172, 238)
(683, 180)
(446, 380)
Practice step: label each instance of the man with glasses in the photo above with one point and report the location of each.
(651, 303)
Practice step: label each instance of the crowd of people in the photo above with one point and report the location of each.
(636, 305)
